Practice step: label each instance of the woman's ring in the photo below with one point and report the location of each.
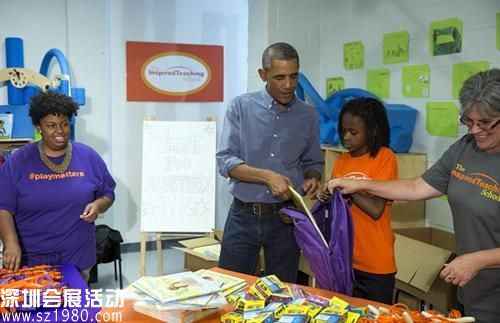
(450, 277)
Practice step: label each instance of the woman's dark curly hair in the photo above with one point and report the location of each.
(372, 113)
(44, 103)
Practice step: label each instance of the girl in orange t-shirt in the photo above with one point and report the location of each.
(364, 130)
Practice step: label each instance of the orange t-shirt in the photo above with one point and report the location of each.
(373, 239)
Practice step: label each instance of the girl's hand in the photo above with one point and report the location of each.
(90, 212)
(323, 194)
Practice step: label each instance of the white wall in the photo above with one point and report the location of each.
(92, 35)
(319, 29)
(193, 22)
(293, 21)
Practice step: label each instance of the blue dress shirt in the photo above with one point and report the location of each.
(258, 133)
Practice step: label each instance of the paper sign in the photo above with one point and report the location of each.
(462, 72)
(396, 47)
(378, 81)
(334, 84)
(442, 119)
(174, 72)
(416, 81)
(445, 37)
(178, 176)
(354, 55)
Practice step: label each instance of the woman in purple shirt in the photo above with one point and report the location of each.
(52, 191)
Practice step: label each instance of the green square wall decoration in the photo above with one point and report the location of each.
(463, 71)
(445, 37)
(498, 30)
(334, 84)
(442, 119)
(378, 82)
(354, 55)
(416, 81)
(396, 47)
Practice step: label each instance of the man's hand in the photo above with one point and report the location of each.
(285, 218)
(311, 187)
(279, 186)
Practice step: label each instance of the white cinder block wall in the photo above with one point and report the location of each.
(319, 29)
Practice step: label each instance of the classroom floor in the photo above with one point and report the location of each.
(173, 262)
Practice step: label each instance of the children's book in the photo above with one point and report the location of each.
(6, 123)
(176, 286)
(301, 204)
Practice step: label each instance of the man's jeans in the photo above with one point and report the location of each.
(245, 233)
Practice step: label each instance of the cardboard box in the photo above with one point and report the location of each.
(420, 256)
(194, 260)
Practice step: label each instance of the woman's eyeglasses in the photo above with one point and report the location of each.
(486, 125)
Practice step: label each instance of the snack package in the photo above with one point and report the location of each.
(254, 305)
(338, 303)
(258, 317)
(232, 317)
(276, 308)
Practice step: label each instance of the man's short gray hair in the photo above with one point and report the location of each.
(482, 90)
(282, 51)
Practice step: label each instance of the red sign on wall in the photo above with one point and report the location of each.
(174, 72)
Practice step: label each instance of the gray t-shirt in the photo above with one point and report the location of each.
(471, 179)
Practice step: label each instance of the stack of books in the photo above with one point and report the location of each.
(183, 297)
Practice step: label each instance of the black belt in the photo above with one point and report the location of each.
(262, 208)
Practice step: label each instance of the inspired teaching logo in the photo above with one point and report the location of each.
(357, 175)
(176, 73)
(488, 185)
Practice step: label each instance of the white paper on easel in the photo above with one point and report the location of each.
(178, 176)
(301, 204)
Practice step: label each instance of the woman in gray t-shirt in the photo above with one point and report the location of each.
(469, 174)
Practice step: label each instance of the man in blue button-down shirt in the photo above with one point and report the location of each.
(270, 141)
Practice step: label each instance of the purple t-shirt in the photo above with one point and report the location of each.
(47, 206)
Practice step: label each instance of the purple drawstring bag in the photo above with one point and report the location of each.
(332, 265)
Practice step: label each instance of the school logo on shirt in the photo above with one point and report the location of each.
(357, 175)
(488, 185)
(53, 176)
